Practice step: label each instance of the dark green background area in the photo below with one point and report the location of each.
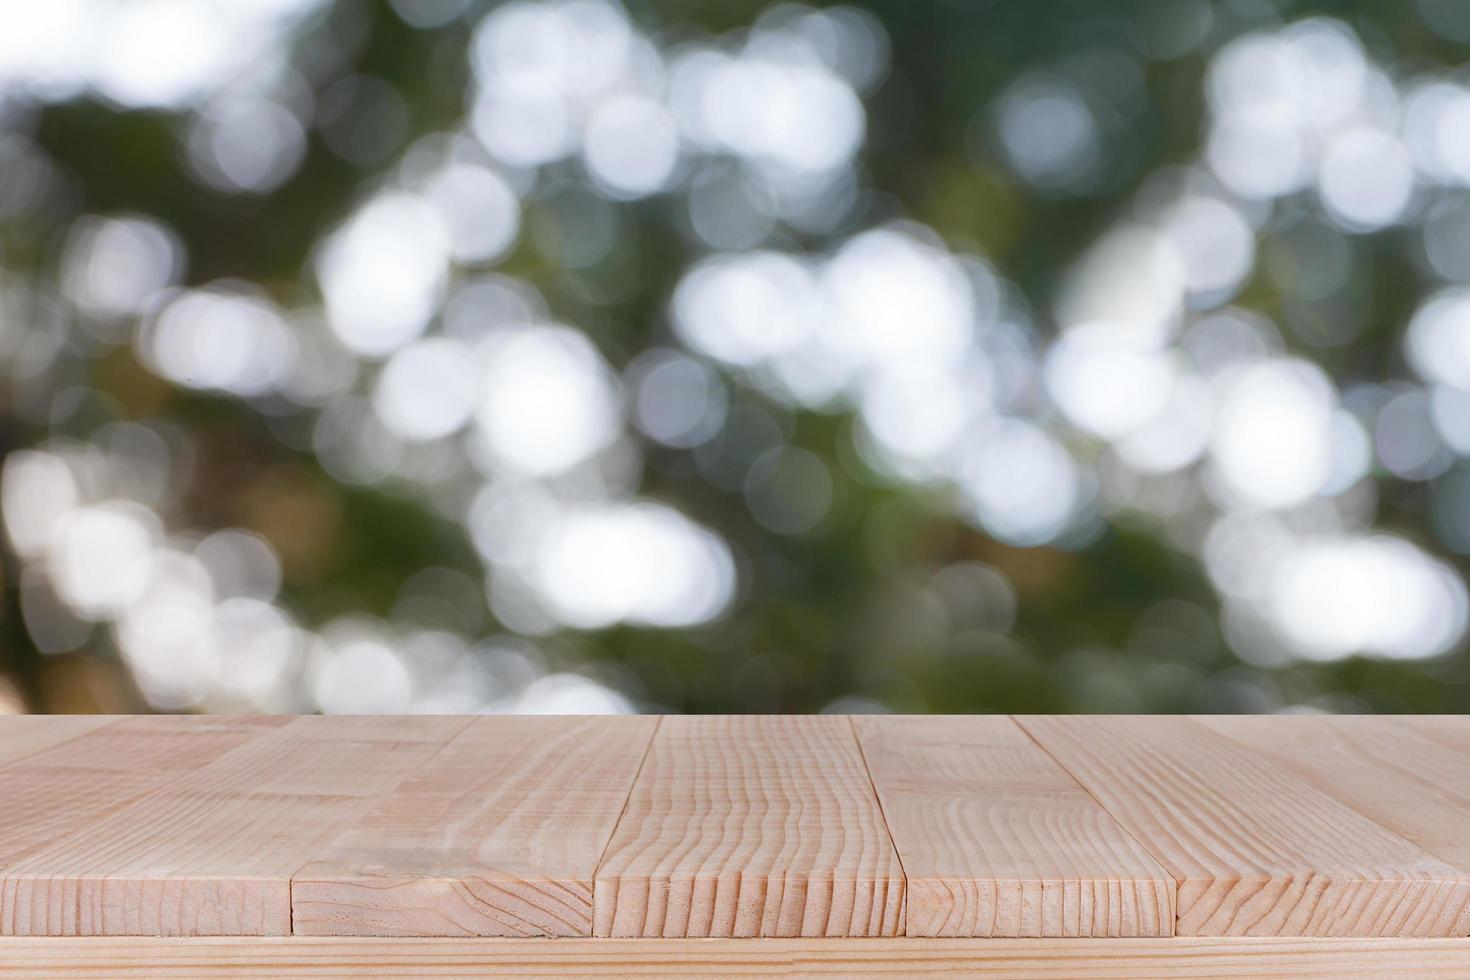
(1125, 623)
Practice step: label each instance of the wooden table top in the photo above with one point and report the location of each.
(749, 826)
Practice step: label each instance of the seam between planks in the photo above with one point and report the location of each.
(1303, 774)
(903, 874)
(902, 880)
(1291, 769)
(291, 878)
(658, 723)
(1173, 926)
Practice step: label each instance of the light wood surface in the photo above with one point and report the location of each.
(997, 840)
(382, 846)
(66, 785)
(499, 834)
(1024, 959)
(1411, 784)
(1450, 730)
(751, 826)
(27, 735)
(1256, 849)
(211, 851)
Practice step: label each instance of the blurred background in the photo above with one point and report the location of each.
(450, 356)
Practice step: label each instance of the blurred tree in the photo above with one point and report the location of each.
(966, 356)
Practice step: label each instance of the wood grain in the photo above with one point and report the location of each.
(498, 835)
(61, 789)
(1256, 850)
(1047, 828)
(1413, 785)
(211, 851)
(997, 840)
(21, 736)
(1024, 959)
(751, 826)
(1449, 730)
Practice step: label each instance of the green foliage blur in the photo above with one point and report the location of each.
(857, 612)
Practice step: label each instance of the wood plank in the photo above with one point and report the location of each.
(997, 840)
(1411, 784)
(498, 835)
(61, 789)
(23, 735)
(751, 826)
(1449, 730)
(1256, 850)
(104, 958)
(211, 851)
